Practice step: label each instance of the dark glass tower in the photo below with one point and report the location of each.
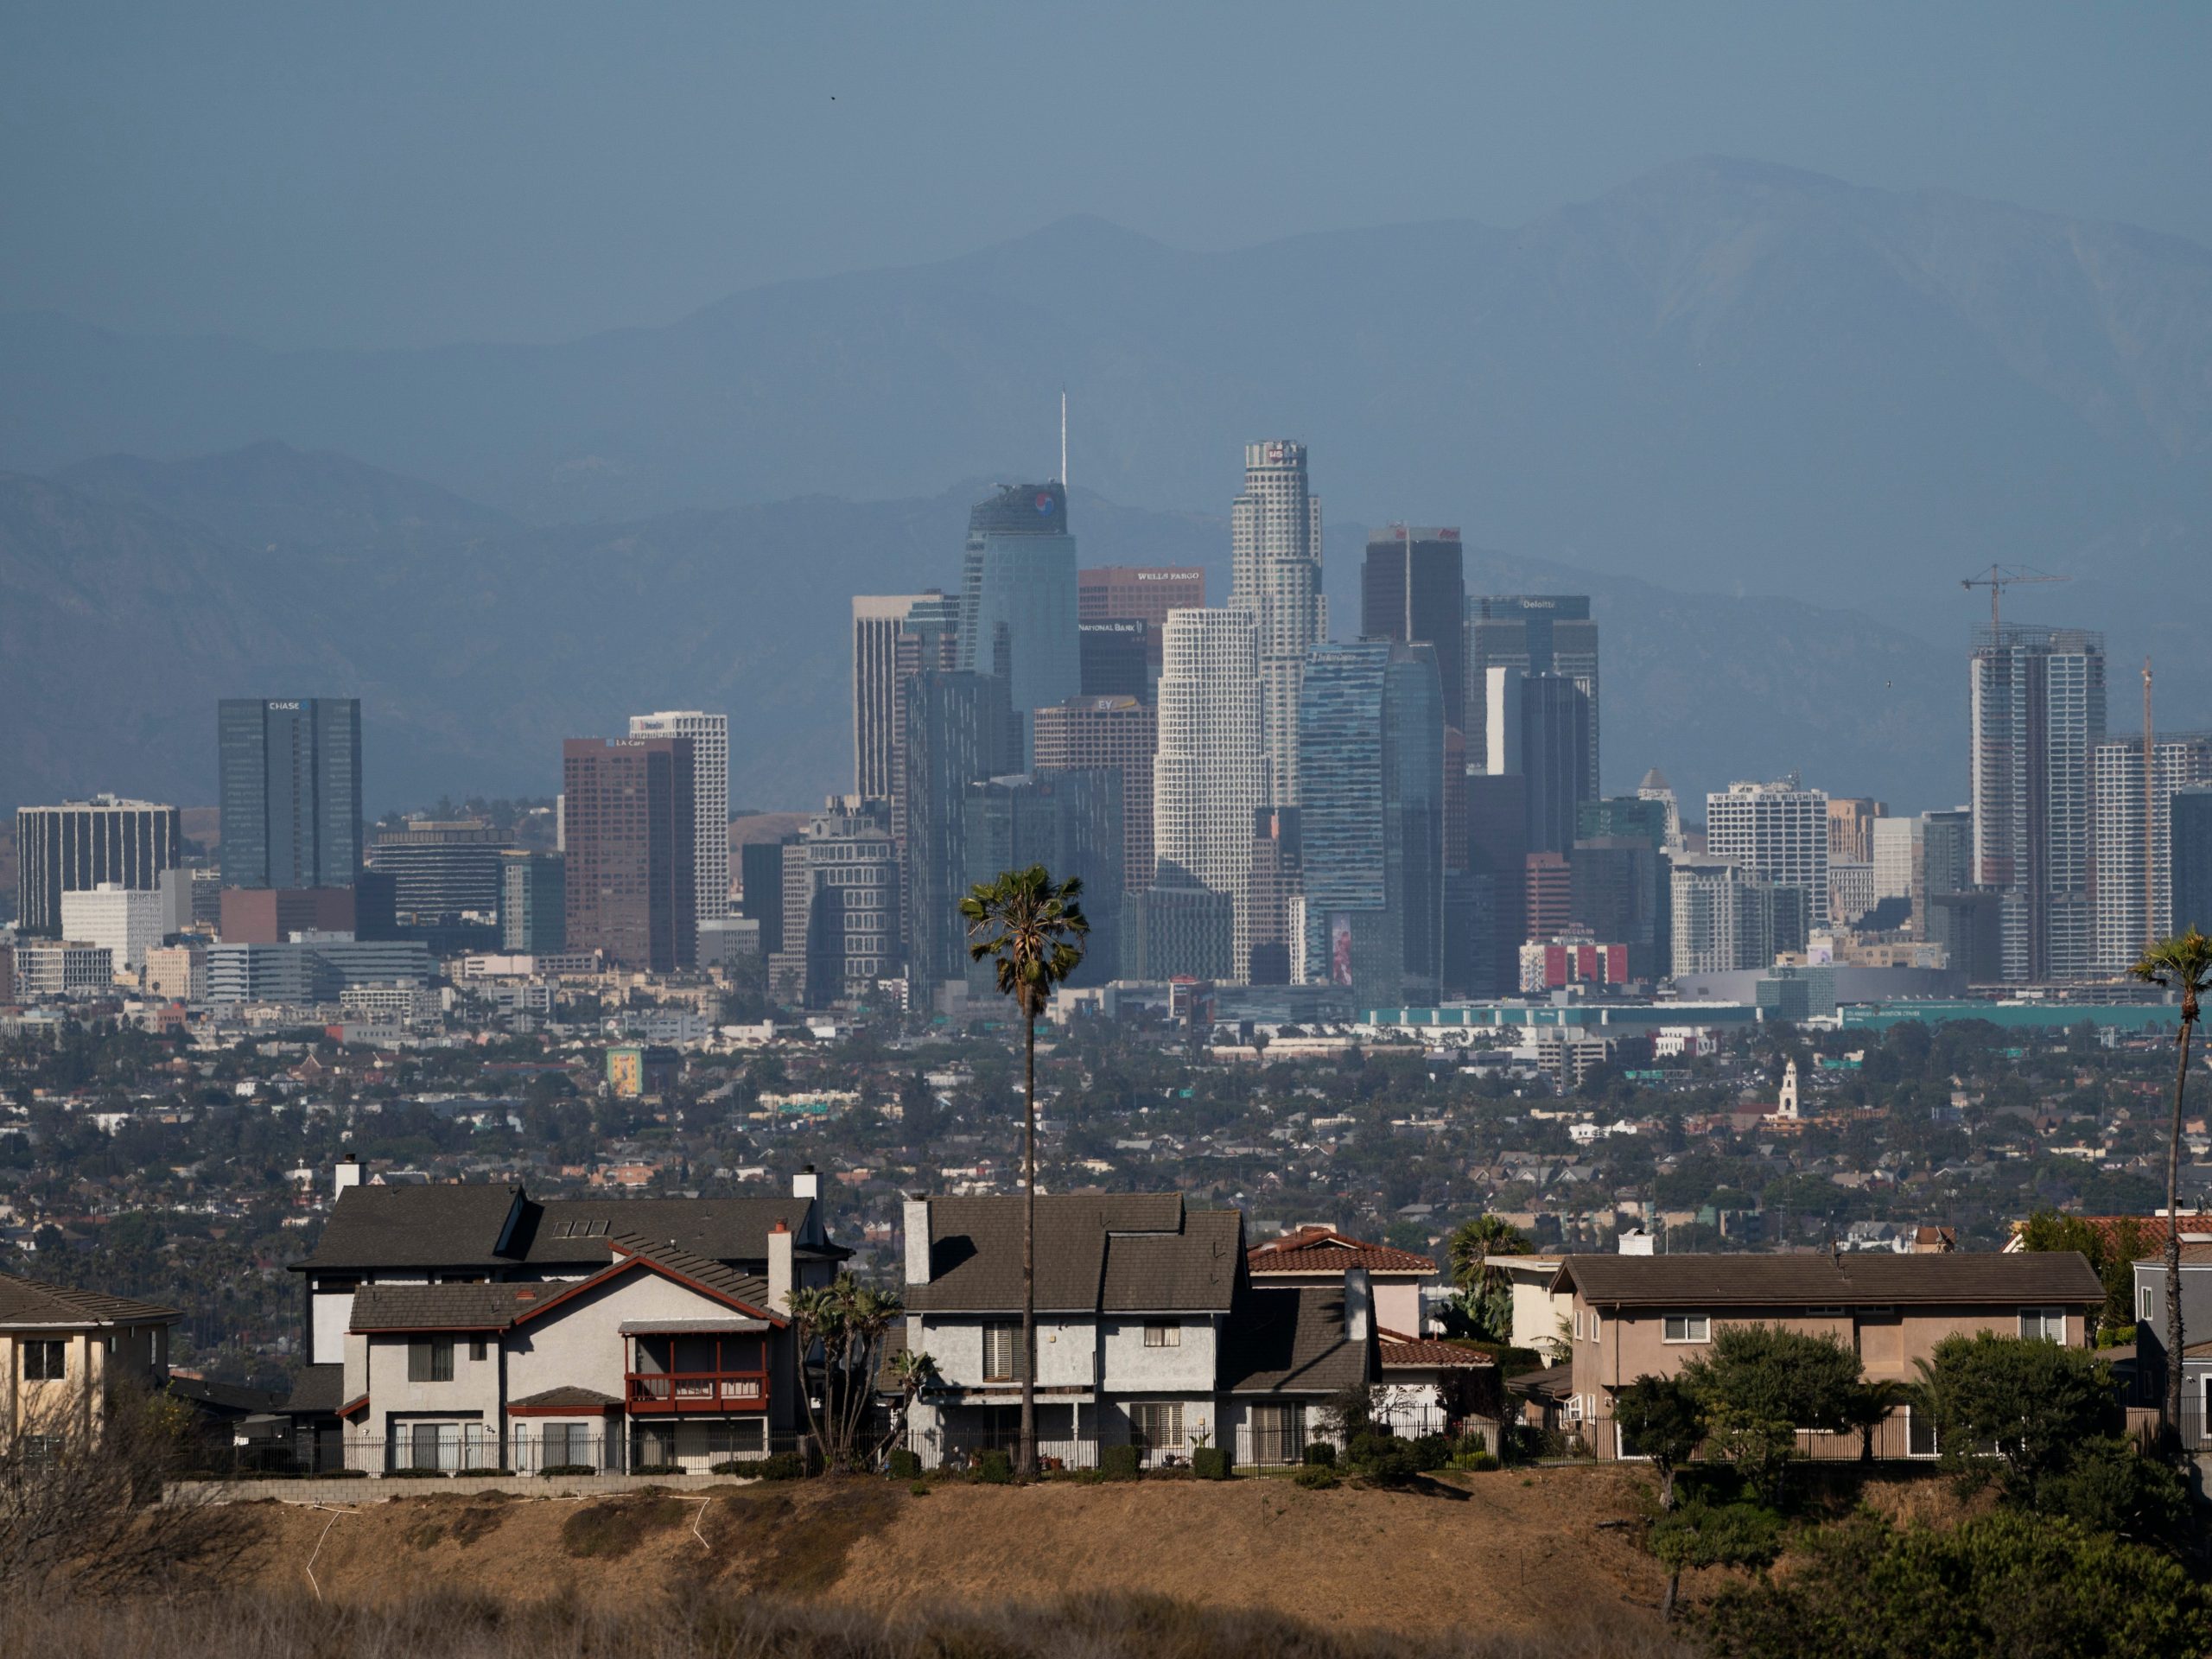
(1557, 738)
(959, 729)
(1018, 593)
(2190, 849)
(1413, 589)
(290, 791)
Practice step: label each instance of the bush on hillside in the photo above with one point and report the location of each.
(904, 1464)
(1120, 1463)
(1320, 1454)
(781, 1465)
(994, 1467)
(1318, 1477)
(1210, 1463)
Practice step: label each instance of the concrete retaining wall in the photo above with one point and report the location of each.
(377, 1489)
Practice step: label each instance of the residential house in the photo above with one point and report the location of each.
(473, 1326)
(2195, 1426)
(1634, 1316)
(65, 1354)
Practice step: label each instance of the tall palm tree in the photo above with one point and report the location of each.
(1487, 1290)
(2183, 964)
(1033, 927)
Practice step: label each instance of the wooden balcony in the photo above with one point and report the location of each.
(709, 1393)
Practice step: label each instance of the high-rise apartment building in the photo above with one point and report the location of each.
(959, 729)
(1850, 828)
(1724, 917)
(2037, 708)
(841, 906)
(709, 735)
(1371, 740)
(1896, 844)
(125, 922)
(2117, 799)
(1018, 597)
(1656, 788)
(1084, 734)
(1777, 832)
(1275, 577)
(290, 791)
(1210, 772)
(632, 847)
(533, 902)
(76, 846)
(1139, 593)
(1533, 634)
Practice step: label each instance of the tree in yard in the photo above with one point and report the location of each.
(1485, 1290)
(2031, 1400)
(2112, 1253)
(849, 1320)
(1033, 928)
(1759, 1384)
(909, 1372)
(1868, 1406)
(1661, 1418)
(1701, 1534)
(2183, 964)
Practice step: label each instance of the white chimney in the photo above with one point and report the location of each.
(1359, 1304)
(916, 1224)
(348, 1174)
(779, 1268)
(806, 1184)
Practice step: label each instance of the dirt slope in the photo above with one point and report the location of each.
(1511, 1556)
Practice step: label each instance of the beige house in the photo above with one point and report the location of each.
(1634, 1316)
(66, 1353)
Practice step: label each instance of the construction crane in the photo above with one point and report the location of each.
(1997, 579)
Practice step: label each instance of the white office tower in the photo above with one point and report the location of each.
(2038, 707)
(1898, 844)
(1208, 774)
(1655, 787)
(709, 735)
(1275, 575)
(2179, 761)
(1777, 832)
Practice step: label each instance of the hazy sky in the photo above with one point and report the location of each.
(411, 174)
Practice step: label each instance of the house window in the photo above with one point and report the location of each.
(1156, 1426)
(431, 1361)
(2048, 1323)
(1163, 1336)
(477, 1348)
(567, 1443)
(42, 1451)
(1826, 1312)
(1686, 1327)
(999, 1342)
(45, 1361)
(2145, 1302)
(1573, 1407)
(1278, 1432)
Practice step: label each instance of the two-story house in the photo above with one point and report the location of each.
(2195, 1426)
(64, 1354)
(471, 1326)
(1634, 1316)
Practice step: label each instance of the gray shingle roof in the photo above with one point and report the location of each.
(445, 1307)
(1819, 1280)
(749, 1288)
(1125, 1253)
(461, 1226)
(1291, 1341)
(28, 1302)
(318, 1389)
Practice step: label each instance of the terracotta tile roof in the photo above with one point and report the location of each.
(28, 1302)
(2154, 1227)
(1395, 1349)
(1814, 1279)
(1323, 1249)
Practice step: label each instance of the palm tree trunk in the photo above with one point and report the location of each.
(2173, 1434)
(1028, 1467)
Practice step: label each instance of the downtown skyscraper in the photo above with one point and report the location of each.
(1275, 577)
(1532, 634)
(631, 850)
(709, 735)
(2037, 710)
(2119, 841)
(1209, 771)
(290, 791)
(1017, 609)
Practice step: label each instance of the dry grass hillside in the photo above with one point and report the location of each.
(1527, 1557)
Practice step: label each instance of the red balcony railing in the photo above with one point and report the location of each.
(652, 1392)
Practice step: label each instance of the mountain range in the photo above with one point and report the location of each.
(1768, 419)
(134, 594)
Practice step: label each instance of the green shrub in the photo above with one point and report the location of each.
(1431, 1452)
(919, 1488)
(995, 1468)
(1120, 1463)
(904, 1464)
(1315, 1477)
(416, 1474)
(1320, 1454)
(567, 1470)
(1476, 1462)
(1210, 1463)
(656, 1469)
(783, 1465)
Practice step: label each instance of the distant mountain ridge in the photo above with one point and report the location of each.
(1723, 375)
(477, 643)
